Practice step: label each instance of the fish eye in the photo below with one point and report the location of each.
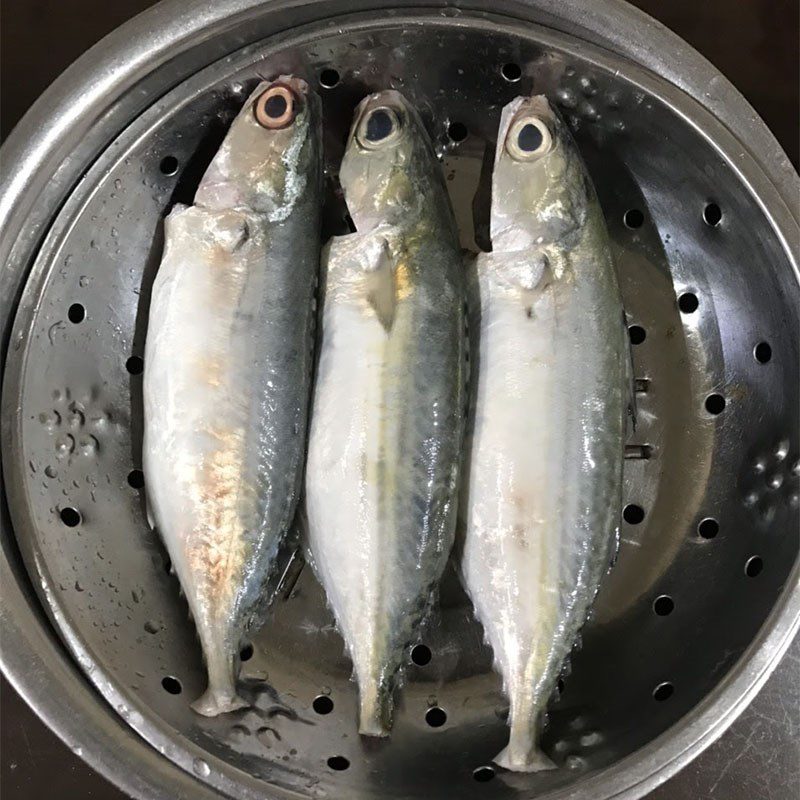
(275, 107)
(529, 139)
(378, 127)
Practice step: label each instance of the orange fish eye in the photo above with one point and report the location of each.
(275, 107)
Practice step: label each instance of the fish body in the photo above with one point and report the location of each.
(544, 486)
(228, 361)
(387, 418)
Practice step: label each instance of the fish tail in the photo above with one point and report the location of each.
(374, 712)
(523, 754)
(215, 701)
(221, 696)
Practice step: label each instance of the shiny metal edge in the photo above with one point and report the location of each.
(32, 657)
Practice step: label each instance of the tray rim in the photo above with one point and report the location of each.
(33, 658)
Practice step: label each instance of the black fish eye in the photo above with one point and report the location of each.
(529, 138)
(380, 125)
(275, 106)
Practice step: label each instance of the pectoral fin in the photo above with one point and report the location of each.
(382, 294)
(367, 260)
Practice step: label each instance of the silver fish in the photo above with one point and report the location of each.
(228, 362)
(545, 474)
(387, 419)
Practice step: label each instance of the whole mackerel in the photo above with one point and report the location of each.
(228, 362)
(387, 418)
(545, 477)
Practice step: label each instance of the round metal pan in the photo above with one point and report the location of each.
(703, 598)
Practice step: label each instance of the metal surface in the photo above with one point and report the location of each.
(732, 768)
(104, 581)
(759, 755)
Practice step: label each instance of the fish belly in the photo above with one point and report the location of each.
(543, 481)
(380, 474)
(224, 421)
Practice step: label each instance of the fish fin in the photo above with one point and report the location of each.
(381, 294)
(227, 229)
(374, 716)
(222, 667)
(177, 210)
(526, 721)
(371, 255)
(374, 708)
(536, 761)
(151, 520)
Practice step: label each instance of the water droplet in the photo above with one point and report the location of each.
(114, 233)
(99, 419)
(751, 499)
(588, 86)
(574, 762)
(239, 732)
(136, 595)
(50, 419)
(591, 739)
(201, 768)
(84, 281)
(77, 749)
(78, 587)
(117, 184)
(75, 419)
(325, 690)
(566, 97)
(65, 444)
(88, 445)
(759, 466)
(152, 626)
(776, 481)
(589, 112)
(67, 260)
(124, 711)
(51, 472)
(782, 450)
(268, 736)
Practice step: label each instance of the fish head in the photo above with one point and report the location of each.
(540, 188)
(386, 170)
(270, 152)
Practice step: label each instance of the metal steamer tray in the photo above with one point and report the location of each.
(703, 597)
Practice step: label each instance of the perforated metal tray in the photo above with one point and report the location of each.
(709, 541)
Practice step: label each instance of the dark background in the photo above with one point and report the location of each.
(755, 44)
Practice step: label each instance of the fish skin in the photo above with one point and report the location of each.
(227, 376)
(543, 498)
(387, 419)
